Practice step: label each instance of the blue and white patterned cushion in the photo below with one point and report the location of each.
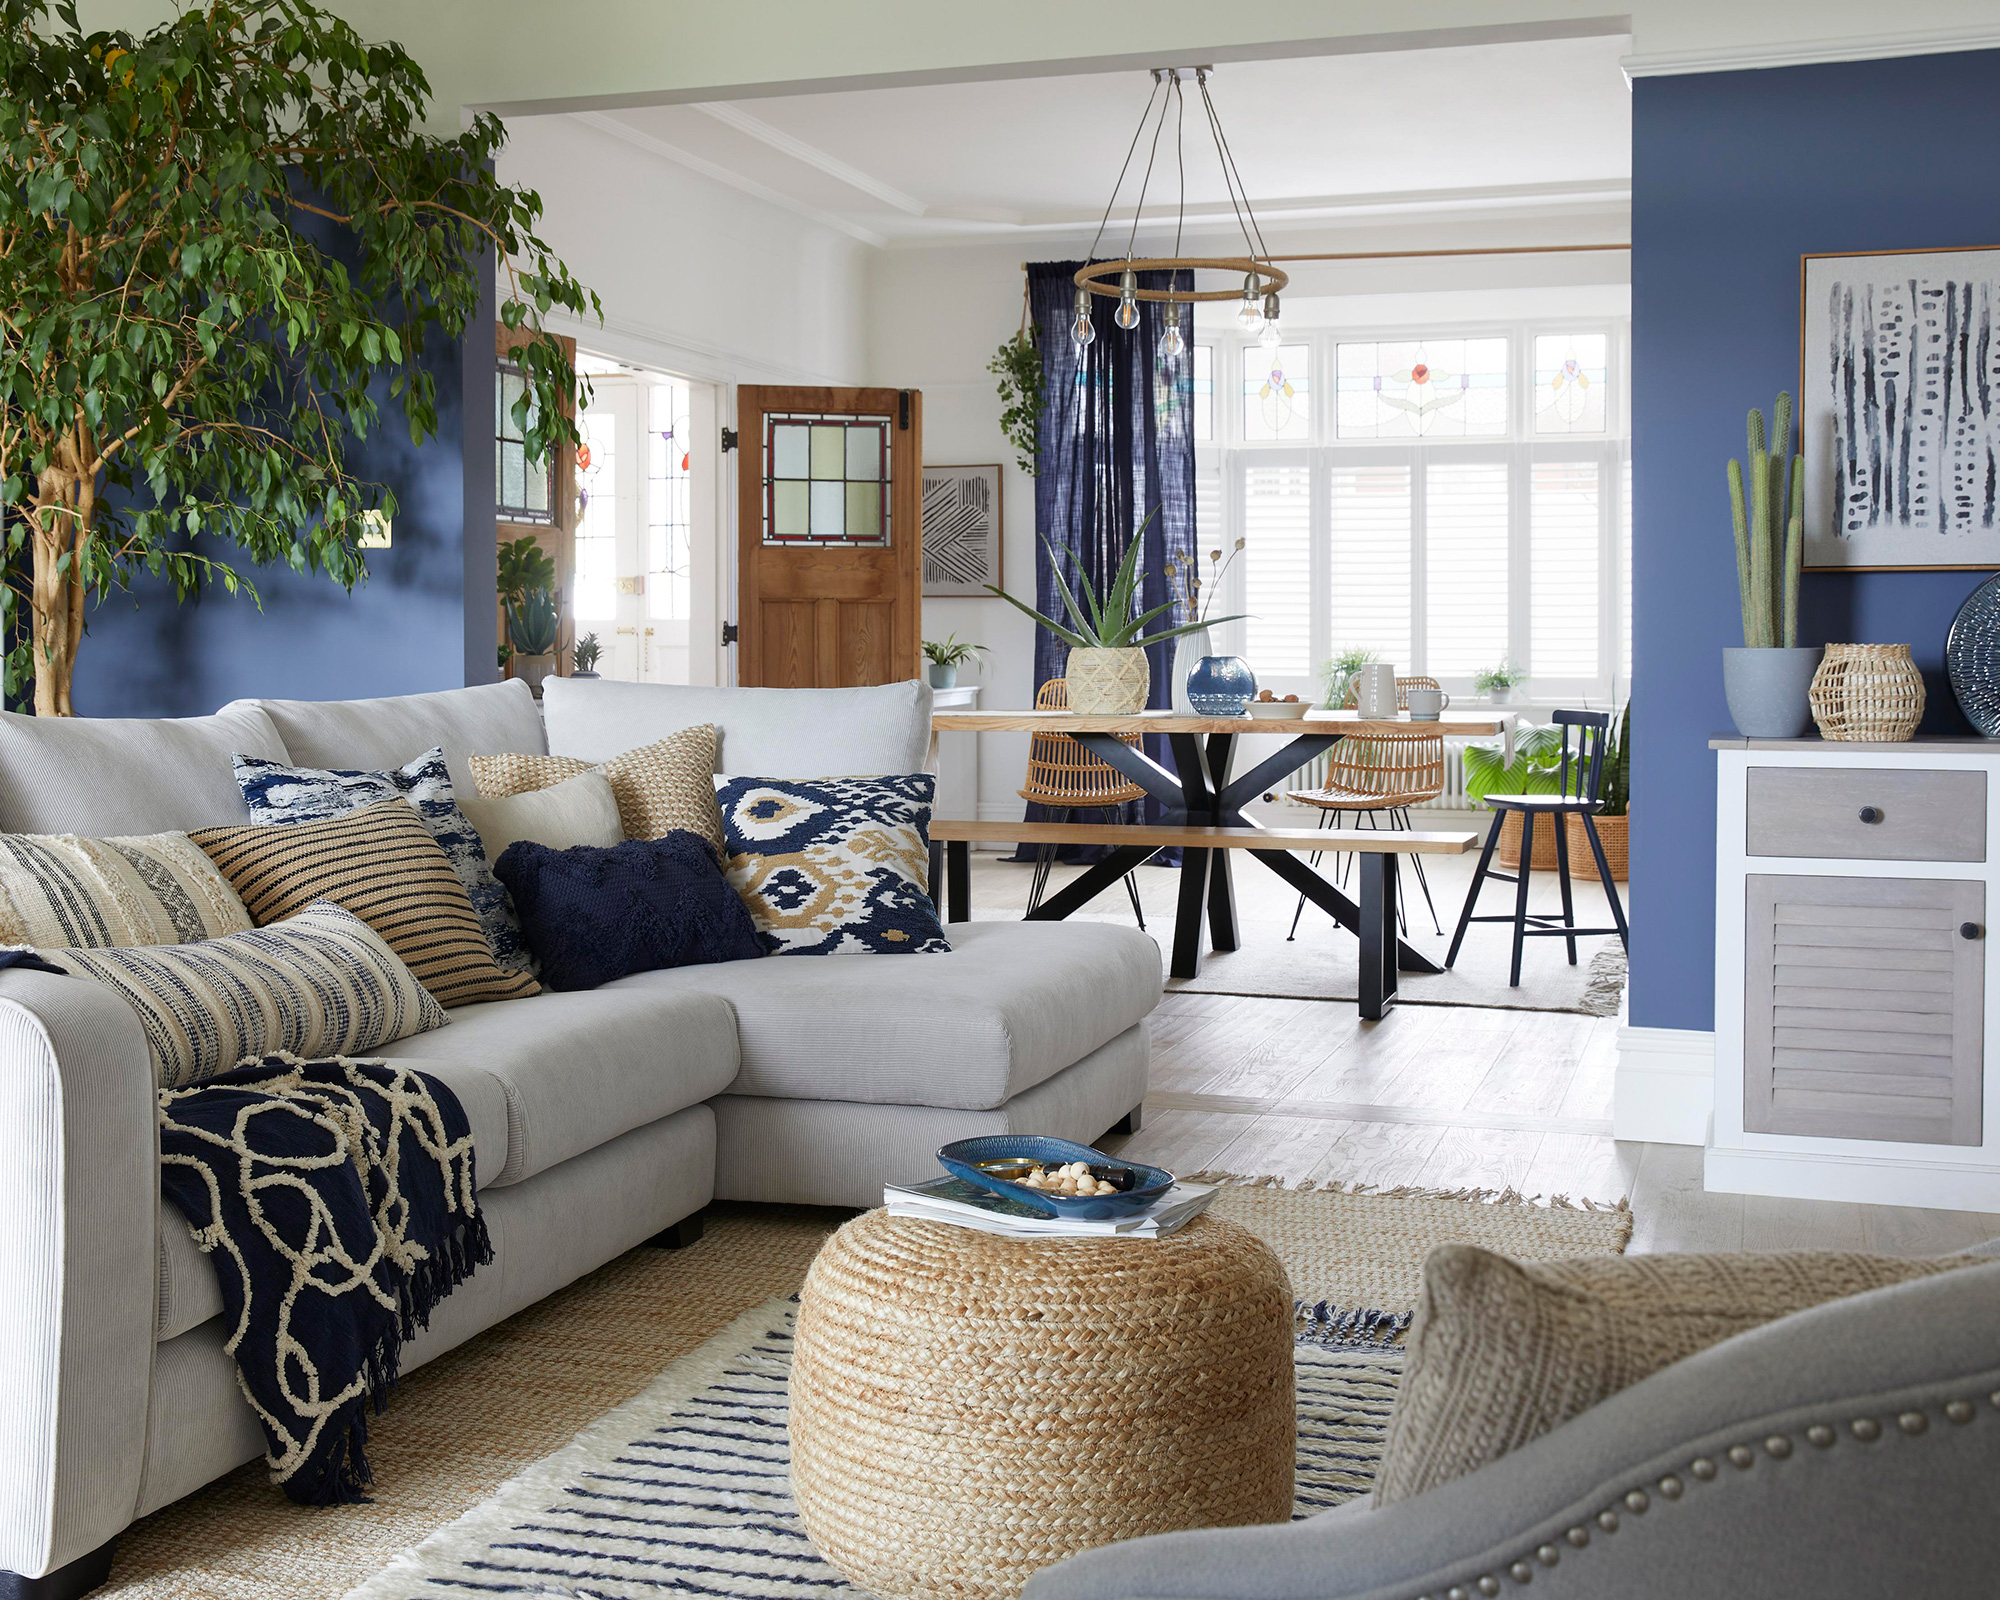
(834, 866)
(278, 793)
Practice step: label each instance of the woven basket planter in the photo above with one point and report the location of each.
(1868, 693)
(1108, 683)
(1507, 853)
(966, 1410)
(1611, 833)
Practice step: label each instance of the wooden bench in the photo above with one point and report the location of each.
(1373, 922)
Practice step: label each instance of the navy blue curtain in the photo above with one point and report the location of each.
(1115, 445)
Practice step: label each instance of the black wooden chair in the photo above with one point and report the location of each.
(1592, 731)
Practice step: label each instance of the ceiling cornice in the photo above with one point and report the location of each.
(812, 156)
(641, 140)
(1810, 52)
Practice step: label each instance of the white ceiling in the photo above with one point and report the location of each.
(1543, 124)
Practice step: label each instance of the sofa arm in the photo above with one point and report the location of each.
(1788, 1498)
(79, 1266)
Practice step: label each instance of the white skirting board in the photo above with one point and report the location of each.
(1665, 1090)
(1867, 1180)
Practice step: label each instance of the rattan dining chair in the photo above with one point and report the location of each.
(1385, 773)
(1068, 778)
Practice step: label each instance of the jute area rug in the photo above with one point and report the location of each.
(638, 1347)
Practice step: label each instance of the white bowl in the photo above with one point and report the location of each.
(1278, 710)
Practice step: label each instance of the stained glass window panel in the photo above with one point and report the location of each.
(1465, 608)
(597, 528)
(827, 480)
(1563, 528)
(1277, 392)
(1204, 392)
(1571, 382)
(1421, 389)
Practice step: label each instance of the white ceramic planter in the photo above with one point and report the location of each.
(1108, 683)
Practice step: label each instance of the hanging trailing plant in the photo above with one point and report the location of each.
(1018, 366)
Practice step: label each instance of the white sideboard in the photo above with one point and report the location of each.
(1856, 990)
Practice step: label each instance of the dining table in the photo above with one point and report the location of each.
(1200, 791)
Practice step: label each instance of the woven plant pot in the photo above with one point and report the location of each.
(1612, 833)
(1507, 852)
(967, 1410)
(1108, 683)
(1868, 693)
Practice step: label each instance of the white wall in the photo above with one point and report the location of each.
(936, 316)
(695, 276)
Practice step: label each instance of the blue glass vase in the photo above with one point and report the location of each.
(1221, 686)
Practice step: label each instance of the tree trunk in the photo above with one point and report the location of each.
(62, 525)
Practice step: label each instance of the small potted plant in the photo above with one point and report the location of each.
(532, 623)
(1339, 673)
(1768, 680)
(1107, 671)
(1499, 683)
(946, 656)
(584, 657)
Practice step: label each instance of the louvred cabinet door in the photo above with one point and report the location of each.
(830, 564)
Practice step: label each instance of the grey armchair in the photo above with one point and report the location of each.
(1849, 1452)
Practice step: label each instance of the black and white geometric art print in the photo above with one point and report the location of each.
(1901, 409)
(961, 530)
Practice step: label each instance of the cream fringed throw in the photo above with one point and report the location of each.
(335, 1199)
(1503, 1351)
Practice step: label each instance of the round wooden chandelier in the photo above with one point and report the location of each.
(1118, 277)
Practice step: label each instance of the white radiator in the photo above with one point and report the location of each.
(1451, 798)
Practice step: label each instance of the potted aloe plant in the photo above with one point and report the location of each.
(532, 625)
(1768, 680)
(1107, 672)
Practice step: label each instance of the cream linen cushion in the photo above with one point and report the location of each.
(1503, 1351)
(155, 888)
(661, 786)
(579, 810)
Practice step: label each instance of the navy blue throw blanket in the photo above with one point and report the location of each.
(335, 1199)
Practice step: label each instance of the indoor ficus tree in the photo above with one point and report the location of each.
(220, 242)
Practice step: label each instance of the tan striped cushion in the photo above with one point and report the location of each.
(382, 864)
(661, 786)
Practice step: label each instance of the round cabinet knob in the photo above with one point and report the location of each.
(1871, 813)
(1969, 930)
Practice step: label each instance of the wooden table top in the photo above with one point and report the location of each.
(1453, 724)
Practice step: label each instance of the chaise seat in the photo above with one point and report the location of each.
(1012, 1005)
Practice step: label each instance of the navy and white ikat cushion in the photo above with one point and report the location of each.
(834, 866)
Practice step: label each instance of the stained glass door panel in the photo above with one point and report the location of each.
(829, 545)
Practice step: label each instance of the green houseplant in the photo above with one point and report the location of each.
(1107, 672)
(225, 244)
(1499, 683)
(1766, 682)
(533, 623)
(946, 656)
(583, 659)
(1018, 366)
(1339, 672)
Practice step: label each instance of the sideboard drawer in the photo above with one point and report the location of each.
(1867, 813)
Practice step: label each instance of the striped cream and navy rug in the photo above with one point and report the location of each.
(683, 1489)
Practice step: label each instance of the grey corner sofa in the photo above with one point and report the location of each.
(1849, 1452)
(600, 1120)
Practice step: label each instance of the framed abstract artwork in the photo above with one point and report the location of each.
(961, 530)
(1899, 388)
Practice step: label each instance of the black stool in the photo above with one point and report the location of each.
(1592, 728)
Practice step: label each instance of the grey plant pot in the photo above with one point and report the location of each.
(1768, 689)
(943, 676)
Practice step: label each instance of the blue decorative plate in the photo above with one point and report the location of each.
(962, 1158)
(1972, 656)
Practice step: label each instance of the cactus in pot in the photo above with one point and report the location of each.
(1768, 679)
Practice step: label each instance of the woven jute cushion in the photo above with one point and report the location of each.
(659, 787)
(966, 1410)
(1502, 1352)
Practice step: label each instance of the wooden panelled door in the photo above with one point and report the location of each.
(829, 581)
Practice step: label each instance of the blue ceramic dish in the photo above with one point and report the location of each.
(962, 1157)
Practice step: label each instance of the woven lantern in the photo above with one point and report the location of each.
(1868, 693)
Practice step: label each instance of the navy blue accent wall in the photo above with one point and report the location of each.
(1735, 176)
(422, 620)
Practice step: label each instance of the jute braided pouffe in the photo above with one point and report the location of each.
(966, 1410)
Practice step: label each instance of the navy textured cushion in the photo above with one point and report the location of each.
(593, 914)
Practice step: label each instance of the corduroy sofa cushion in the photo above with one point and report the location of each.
(382, 864)
(1503, 1351)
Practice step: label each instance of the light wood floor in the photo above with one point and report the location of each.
(1445, 1097)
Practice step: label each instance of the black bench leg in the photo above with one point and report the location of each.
(79, 1577)
(936, 884)
(1129, 1123)
(1378, 934)
(958, 879)
(682, 1234)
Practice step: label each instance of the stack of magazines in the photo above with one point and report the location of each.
(964, 1205)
